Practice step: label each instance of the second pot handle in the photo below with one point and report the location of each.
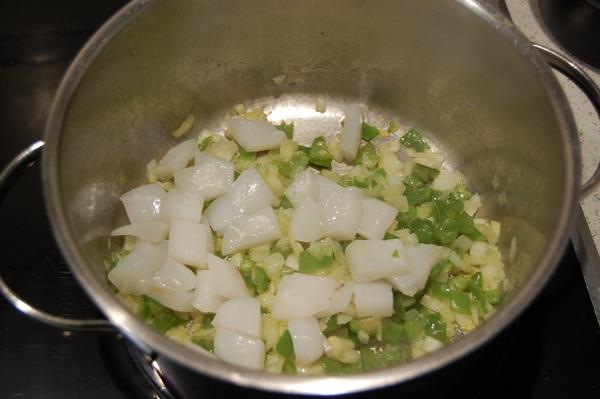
(11, 172)
(586, 84)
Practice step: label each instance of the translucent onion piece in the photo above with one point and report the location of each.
(147, 231)
(373, 299)
(341, 214)
(340, 300)
(254, 135)
(370, 260)
(180, 204)
(176, 158)
(135, 271)
(258, 228)
(304, 187)
(307, 340)
(174, 276)
(241, 315)
(351, 131)
(238, 349)
(226, 278)
(189, 242)
(421, 258)
(207, 180)
(305, 225)
(176, 300)
(205, 299)
(377, 216)
(142, 204)
(302, 295)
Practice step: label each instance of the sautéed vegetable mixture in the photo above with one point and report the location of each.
(354, 253)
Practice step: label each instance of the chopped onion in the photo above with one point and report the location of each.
(370, 260)
(259, 228)
(254, 135)
(176, 158)
(205, 298)
(351, 131)
(227, 280)
(148, 231)
(174, 276)
(241, 315)
(373, 299)
(142, 204)
(306, 222)
(377, 216)
(302, 295)
(421, 258)
(238, 349)
(307, 340)
(189, 242)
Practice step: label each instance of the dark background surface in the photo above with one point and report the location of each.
(552, 351)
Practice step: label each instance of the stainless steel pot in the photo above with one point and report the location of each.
(458, 70)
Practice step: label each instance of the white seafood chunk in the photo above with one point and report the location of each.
(248, 194)
(180, 204)
(174, 276)
(305, 225)
(254, 135)
(258, 228)
(370, 260)
(446, 181)
(205, 298)
(302, 295)
(421, 258)
(304, 187)
(142, 204)
(351, 130)
(147, 231)
(189, 242)
(238, 349)
(241, 315)
(175, 159)
(342, 213)
(373, 299)
(340, 300)
(226, 278)
(327, 188)
(377, 216)
(176, 300)
(207, 180)
(135, 271)
(307, 340)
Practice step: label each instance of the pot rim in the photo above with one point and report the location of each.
(152, 342)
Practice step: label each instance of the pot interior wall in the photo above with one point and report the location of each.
(433, 64)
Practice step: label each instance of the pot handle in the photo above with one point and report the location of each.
(587, 86)
(11, 172)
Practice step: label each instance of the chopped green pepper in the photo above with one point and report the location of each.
(367, 156)
(308, 263)
(413, 139)
(435, 327)
(424, 174)
(417, 195)
(330, 366)
(260, 279)
(285, 346)
(207, 344)
(368, 132)
(287, 128)
(319, 154)
(423, 228)
(208, 140)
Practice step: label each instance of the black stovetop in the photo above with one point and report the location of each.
(551, 351)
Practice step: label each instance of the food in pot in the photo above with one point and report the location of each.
(351, 254)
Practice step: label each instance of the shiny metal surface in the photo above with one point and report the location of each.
(27, 158)
(589, 88)
(475, 85)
